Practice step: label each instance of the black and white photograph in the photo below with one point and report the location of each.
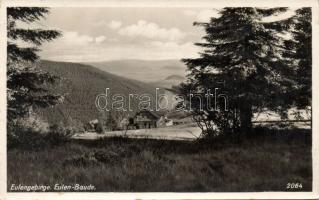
(178, 99)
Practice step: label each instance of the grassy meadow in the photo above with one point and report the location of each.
(267, 161)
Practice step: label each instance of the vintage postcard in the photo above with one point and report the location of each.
(164, 99)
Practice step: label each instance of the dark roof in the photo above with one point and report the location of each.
(149, 113)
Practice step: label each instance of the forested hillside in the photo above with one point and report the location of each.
(81, 84)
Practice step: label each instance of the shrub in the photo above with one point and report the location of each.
(35, 134)
(28, 132)
(75, 126)
(31, 122)
(59, 134)
(106, 156)
(83, 160)
(62, 132)
(25, 138)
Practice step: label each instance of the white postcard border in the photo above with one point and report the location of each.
(161, 3)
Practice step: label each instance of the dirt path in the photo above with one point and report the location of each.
(168, 133)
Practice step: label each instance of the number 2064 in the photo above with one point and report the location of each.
(294, 186)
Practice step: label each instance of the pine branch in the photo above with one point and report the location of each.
(26, 14)
(266, 12)
(18, 54)
(35, 36)
(30, 79)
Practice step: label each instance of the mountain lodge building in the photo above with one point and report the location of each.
(146, 119)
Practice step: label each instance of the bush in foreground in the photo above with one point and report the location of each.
(30, 138)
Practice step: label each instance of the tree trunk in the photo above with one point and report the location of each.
(246, 115)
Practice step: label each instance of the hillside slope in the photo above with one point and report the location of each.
(81, 84)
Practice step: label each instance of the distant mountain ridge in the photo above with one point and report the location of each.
(143, 70)
(175, 77)
(168, 82)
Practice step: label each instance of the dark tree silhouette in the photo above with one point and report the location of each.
(27, 85)
(301, 55)
(244, 52)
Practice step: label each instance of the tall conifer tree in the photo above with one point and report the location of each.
(243, 51)
(27, 85)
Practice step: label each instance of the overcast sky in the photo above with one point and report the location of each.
(100, 34)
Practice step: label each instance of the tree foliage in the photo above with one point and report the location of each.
(245, 52)
(301, 54)
(27, 84)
